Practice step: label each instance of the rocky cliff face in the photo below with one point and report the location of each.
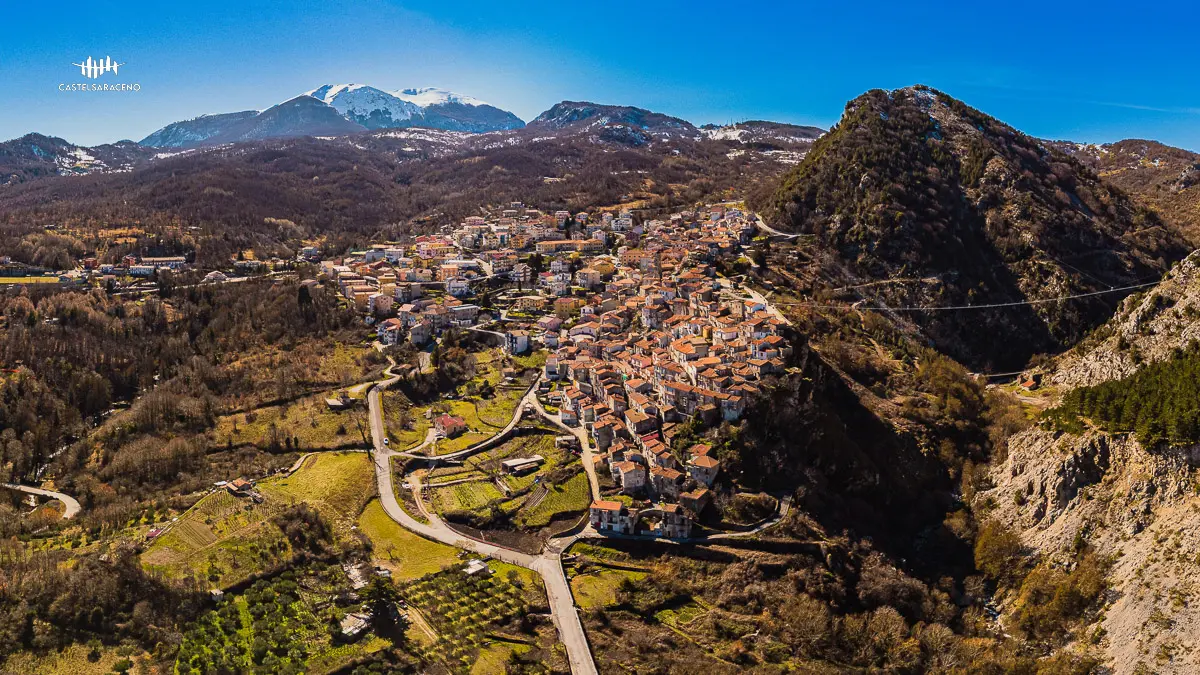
(1135, 505)
(1147, 328)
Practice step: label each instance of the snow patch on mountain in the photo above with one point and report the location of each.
(366, 105)
(428, 96)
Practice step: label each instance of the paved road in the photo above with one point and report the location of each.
(72, 506)
(755, 296)
(774, 232)
(530, 397)
(785, 506)
(585, 445)
(548, 564)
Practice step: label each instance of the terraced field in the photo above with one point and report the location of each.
(338, 484)
(465, 496)
(453, 472)
(223, 539)
(407, 555)
(572, 497)
(524, 500)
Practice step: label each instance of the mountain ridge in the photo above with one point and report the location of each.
(951, 207)
(361, 105)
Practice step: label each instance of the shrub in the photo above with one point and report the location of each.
(998, 552)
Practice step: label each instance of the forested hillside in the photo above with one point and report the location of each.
(383, 185)
(953, 207)
(1157, 403)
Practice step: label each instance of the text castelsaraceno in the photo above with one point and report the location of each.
(97, 86)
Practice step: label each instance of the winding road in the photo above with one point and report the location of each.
(776, 233)
(72, 506)
(548, 564)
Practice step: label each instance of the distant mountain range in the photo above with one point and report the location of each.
(430, 122)
(338, 109)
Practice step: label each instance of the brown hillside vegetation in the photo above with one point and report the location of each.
(913, 184)
(1164, 178)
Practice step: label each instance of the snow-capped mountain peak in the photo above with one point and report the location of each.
(368, 106)
(428, 96)
(328, 92)
(343, 108)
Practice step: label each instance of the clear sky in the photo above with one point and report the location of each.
(1088, 71)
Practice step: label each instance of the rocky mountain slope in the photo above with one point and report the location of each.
(1148, 328)
(195, 131)
(1160, 176)
(935, 204)
(634, 126)
(1134, 505)
(36, 156)
(1126, 494)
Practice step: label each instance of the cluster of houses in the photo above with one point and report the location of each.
(642, 333)
(680, 490)
(142, 267)
(653, 340)
(392, 281)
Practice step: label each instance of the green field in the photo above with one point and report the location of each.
(308, 422)
(533, 360)
(407, 555)
(682, 615)
(498, 410)
(338, 484)
(221, 540)
(572, 497)
(598, 586)
(465, 496)
(493, 659)
(529, 581)
(224, 539)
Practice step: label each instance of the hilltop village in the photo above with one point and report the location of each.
(641, 333)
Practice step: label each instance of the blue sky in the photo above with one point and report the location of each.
(1094, 71)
